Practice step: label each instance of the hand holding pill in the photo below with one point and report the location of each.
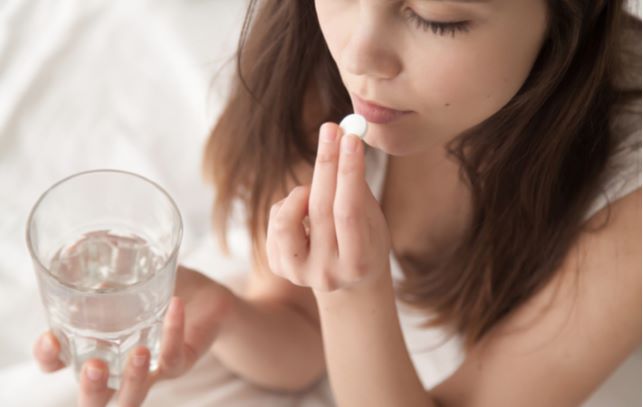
(348, 242)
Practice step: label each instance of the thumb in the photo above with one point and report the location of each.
(47, 352)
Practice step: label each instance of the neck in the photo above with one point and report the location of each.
(428, 202)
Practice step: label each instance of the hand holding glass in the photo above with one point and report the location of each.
(104, 245)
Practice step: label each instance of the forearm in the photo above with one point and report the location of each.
(366, 357)
(271, 344)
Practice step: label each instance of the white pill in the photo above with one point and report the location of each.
(354, 124)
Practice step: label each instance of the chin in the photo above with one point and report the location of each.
(392, 143)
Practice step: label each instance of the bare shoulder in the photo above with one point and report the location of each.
(557, 348)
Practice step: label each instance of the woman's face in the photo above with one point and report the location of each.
(439, 79)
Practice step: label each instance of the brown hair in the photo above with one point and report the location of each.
(533, 167)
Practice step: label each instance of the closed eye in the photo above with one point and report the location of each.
(438, 28)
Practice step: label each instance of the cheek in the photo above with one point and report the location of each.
(476, 86)
(472, 83)
(461, 91)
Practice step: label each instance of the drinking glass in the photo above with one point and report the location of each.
(104, 245)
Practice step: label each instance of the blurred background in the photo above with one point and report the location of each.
(126, 84)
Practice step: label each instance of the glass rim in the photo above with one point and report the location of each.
(154, 184)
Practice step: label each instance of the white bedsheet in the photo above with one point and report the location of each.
(122, 84)
(125, 84)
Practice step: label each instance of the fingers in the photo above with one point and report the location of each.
(172, 357)
(93, 384)
(135, 382)
(322, 194)
(288, 241)
(46, 351)
(289, 232)
(337, 211)
(349, 207)
(272, 249)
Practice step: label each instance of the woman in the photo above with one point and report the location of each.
(500, 173)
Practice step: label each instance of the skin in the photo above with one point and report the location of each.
(197, 303)
(343, 257)
(339, 271)
(451, 82)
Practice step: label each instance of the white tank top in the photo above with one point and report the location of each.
(436, 356)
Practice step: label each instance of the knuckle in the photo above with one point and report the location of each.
(326, 272)
(360, 269)
(291, 272)
(282, 270)
(346, 216)
(299, 189)
(277, 271)
(355, 271)
(327, 283)
(274, 208)
(171, 360)
(326, 157)
(297, 280)
(281, 226)
(347, 167)
(320, 212)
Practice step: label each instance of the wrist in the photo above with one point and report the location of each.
(369, 289)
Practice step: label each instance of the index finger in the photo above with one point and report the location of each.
(350, 196)
(322, 190)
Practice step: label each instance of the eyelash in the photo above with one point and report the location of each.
(437, 27)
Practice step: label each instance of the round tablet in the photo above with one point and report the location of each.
(354, 124)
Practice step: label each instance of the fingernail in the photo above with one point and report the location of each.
(139, 360)
(48, 347)
(349, 143)
(328, 135)
(93, 373)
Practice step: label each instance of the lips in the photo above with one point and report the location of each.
(375, 113)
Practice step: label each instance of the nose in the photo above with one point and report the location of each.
(370, 52)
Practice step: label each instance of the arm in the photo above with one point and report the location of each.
(367, 359)
(545, 353)
(272, 337)
(344, 257)
(554, 350)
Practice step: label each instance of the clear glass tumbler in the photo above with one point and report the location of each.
(104, 244)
